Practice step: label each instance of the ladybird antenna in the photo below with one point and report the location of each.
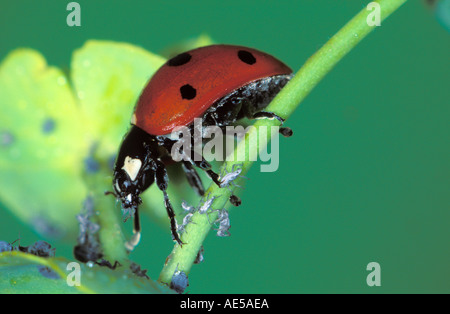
(111, 193)
(18, 239)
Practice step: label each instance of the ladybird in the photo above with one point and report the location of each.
(220, 84)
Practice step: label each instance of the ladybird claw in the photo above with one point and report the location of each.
(178, 240)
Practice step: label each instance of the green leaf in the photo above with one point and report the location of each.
(41, 143)
(26, 273)
(108, 78)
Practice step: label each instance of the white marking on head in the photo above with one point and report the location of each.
(133, 119)
(132, 167)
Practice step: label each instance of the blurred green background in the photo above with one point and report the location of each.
(364, 179)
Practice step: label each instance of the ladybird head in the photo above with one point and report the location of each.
(126, 185)
(132, 171)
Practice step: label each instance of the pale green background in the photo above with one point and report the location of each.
(366, 176)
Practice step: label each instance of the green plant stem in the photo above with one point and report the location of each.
(284, 104)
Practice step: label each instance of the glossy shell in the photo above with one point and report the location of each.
(188, 84)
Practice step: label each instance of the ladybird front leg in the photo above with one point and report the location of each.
(285, 131)
(136, 238)
(206, 166)
(162, 181)
(217, 179)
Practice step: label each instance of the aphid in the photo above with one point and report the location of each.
(42, 249)
(202, 209)
(8, 247)
(136, 269)
(179, 281)
(5, 247)
(224, 224)
(206, 205)
(199, 258)
(229, 177)
(220, 84)
(190, 210)
(235, 200)
(224, 232)
(223, 220)
(187, 208)
(39, 248)
(186, 220)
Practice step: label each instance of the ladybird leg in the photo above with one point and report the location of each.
(286, 132)
(196, 160)
(200, 162)
(162, 181)
(136, 238)
(206, 166)
(193, 178)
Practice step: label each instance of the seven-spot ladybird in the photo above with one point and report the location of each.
(219, 84)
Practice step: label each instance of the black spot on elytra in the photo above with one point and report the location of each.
(247, 57)
(181, 59)
(188, 92)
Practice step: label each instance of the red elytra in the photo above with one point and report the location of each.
(187, 85)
